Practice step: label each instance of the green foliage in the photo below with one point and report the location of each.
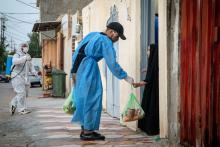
(2, 56)
(34, 47)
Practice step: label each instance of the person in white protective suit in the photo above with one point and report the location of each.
(21, 66)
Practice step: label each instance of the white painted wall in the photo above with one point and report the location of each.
(129, 50)
(67, 51)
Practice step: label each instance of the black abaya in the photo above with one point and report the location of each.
(150, 100)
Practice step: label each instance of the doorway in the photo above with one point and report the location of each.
(149, 42)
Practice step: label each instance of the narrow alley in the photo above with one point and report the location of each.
(153, 63)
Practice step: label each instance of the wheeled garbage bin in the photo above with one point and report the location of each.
(59, 83)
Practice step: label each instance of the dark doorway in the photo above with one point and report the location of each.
(149, 67)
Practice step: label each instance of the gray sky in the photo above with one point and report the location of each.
(18, 25)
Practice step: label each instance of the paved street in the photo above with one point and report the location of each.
(48, 125)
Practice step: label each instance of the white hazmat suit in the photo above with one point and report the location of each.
(21, 66)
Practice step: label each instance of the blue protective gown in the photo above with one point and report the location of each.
(88, 88)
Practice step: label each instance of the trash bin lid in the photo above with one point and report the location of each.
(57, 71)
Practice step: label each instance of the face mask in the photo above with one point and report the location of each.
(25, 49)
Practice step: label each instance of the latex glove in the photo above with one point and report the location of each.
(28, 57)
(36, 74)
(129, 79)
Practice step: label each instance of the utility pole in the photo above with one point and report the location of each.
(14, 48)
(3, 19)
(11, 44)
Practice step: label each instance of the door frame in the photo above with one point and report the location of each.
(163, 67)
(163, 55)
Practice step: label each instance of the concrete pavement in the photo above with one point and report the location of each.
(48, 125)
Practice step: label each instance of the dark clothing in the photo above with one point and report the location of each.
(80, 56)
(150, 100)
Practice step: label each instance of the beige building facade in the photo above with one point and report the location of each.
(94, 17)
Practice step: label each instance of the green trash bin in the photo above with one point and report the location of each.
(59, 83)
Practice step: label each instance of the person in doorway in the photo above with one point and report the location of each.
(21, 66)
(150, 100)
(88, 86)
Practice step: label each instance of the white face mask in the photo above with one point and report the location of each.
(25, 49)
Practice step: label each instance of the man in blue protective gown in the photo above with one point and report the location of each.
(88, 85)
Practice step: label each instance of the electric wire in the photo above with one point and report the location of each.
(27, 4)
(16, 18)
(13, 28)
(18, 35)
(14, 37)
(19, 13)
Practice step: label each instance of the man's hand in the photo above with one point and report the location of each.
(144, 70)
(141, 83)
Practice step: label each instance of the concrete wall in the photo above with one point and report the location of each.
(67, 44)
(173, 72)
(129, 50)
(50, 10)
(169, 93)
